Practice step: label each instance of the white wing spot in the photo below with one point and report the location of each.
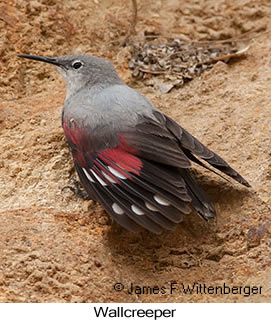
(98, 178)
(109, 178)
(159, 199)
(117, 209)
(116, 173)
(88, 176)
(136, 210)
(151, 207)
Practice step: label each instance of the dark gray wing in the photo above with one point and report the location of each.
(191, 147)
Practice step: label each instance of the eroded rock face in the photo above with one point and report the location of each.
(56, 247)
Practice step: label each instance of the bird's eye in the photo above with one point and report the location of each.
(77, 64)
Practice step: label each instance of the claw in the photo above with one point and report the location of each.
(75, 188)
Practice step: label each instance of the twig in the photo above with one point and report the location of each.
(132, 25)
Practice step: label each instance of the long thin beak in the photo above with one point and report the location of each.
(50, 60)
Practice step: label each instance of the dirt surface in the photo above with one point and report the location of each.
(58, 248)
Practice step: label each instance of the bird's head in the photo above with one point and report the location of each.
(81, 71)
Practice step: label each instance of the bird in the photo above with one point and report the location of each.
(129, 156)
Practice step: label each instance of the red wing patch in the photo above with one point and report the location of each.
(74, 134)
(77, 139)
(122, 156)
(122, 159)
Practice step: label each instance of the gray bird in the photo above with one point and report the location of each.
(129, 156)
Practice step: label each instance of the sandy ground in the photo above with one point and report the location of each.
(55, 247)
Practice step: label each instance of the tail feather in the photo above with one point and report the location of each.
(200, 201)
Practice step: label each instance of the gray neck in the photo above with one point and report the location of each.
(95, 84)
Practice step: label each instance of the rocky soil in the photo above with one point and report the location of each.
(55, 247)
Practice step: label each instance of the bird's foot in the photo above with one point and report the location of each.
(76, 189)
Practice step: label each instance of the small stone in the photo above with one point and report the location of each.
(87, 205)
(43, 122)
